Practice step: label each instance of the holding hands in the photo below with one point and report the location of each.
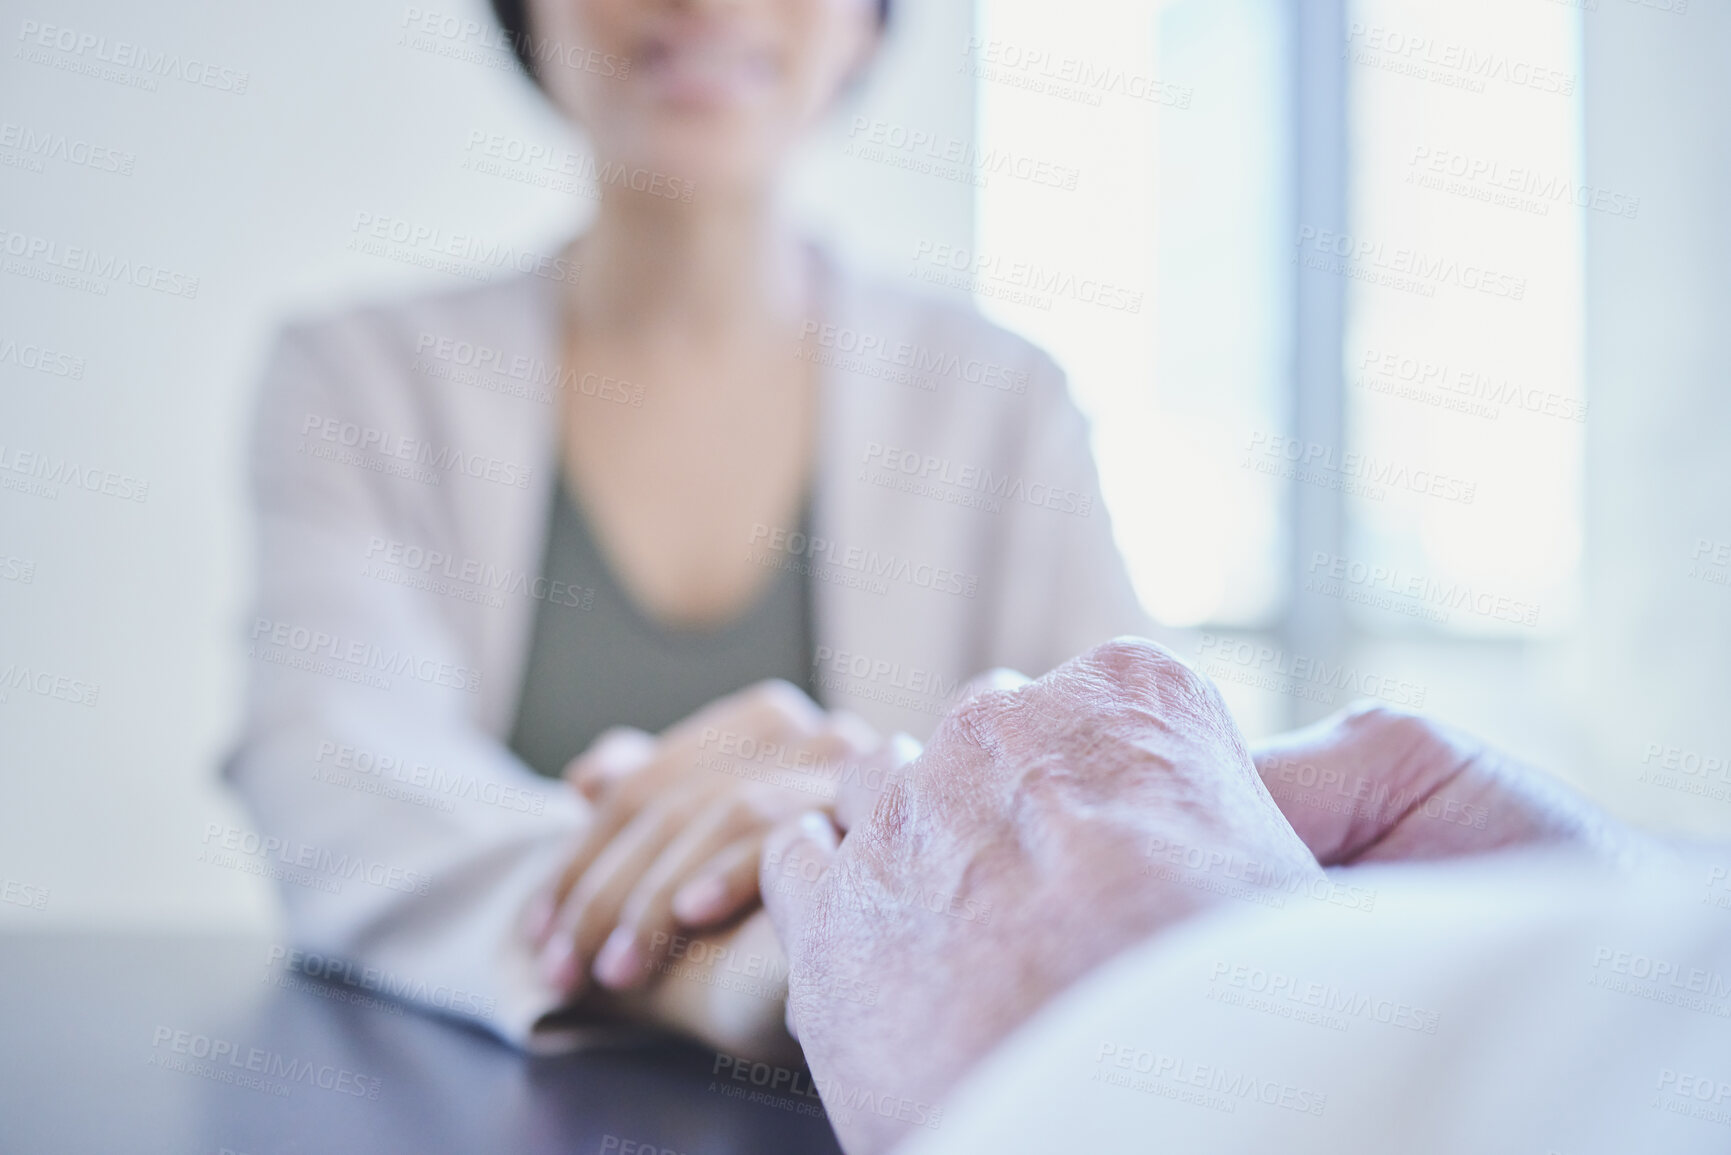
(1087, 811)
(679, 825)
(1046, 827)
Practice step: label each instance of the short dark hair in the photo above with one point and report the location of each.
(513, 16)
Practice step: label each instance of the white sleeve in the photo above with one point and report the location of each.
(1504, 1007)
(405, 839)
(1067, 588)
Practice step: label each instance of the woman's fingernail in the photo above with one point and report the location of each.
(538, 918)
(699, 898)
(559, 964)
(616, 966)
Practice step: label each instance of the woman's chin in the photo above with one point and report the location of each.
(709, 158)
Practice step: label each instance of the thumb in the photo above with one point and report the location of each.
(796, 859)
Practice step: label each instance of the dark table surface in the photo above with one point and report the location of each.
(100, 1051)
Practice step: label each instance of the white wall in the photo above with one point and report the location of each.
(255, 193)
(1658, 111)
(1647, 663)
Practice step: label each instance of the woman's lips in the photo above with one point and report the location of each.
(705, 71)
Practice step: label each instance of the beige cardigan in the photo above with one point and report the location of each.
(403, 464)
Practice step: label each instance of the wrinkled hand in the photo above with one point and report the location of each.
(1042, 830)
(679, 827)
(1375, 784)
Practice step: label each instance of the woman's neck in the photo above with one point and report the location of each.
(689, 272)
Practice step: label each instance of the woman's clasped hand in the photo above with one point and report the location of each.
(678, 826)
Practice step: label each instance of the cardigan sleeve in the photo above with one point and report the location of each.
(404, 838)
(1065, 585)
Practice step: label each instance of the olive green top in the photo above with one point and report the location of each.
(596, 660)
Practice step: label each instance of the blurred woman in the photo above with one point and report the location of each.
(556, 572)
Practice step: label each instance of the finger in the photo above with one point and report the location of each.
(770, 713)
(1383, 763)
(764, 710)
(807, 766)
(617, 812)
(644, 931)
(796, 856)
(616, 753)
(605, 825)
(853, 732)
(859, 793)
(743, 735)
(592, 906)
(721, 887)
(996, 678)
